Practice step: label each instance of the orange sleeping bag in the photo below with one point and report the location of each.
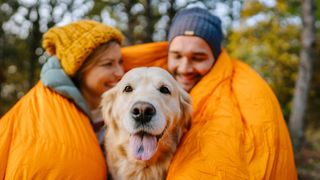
(45, 136)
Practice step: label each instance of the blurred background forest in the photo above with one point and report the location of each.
(280, 39)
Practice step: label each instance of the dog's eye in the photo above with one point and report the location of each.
(164, 90)
(127, 89)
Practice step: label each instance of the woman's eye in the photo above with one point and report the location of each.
(164, 90)
(107, 64)
(128, 89)
(175, 56)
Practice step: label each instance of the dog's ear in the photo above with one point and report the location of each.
(186, 107)
(106, 104)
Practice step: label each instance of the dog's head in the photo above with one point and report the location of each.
(147, 111)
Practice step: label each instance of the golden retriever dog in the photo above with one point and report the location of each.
(146, 114)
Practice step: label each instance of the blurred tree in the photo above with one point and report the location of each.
(22, 25)
(6, 49)
(133, 17)
(15, 83)
(149, 20)
(32, 18)
(307, 58)
(313, 115)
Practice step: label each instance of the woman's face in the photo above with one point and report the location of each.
(102, 75)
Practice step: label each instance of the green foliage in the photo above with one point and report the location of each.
(318, 10)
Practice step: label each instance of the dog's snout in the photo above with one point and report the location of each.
(142, 112)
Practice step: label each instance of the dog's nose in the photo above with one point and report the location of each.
(142, 112)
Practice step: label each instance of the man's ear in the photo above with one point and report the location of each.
(106, 104)
(186, 107)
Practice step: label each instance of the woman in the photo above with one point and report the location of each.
(50, 132)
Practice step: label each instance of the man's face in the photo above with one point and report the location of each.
(190, 58)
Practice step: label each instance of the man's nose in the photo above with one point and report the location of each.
(185, 66)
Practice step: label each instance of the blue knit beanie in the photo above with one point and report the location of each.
(198, 22)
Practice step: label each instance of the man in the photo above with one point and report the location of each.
(238, 131)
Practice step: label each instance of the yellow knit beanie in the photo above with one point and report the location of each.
(74, 42)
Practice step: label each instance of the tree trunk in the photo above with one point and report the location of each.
(307, 56)
(2, 45)
(150, 20)
(2, 76)
(131, 22)
(171, 12)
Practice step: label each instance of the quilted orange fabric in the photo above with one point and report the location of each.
(45, 136)
(238, 130)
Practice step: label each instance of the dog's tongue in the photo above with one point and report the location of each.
(143, 146)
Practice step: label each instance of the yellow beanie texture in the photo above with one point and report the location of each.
(74, 42)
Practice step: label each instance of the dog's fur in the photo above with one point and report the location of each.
(171, 120)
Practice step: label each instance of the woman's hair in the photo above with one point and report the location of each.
(91, 61)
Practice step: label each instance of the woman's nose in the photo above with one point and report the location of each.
(118, 72)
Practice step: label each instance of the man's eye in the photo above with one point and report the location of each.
(198, 59)
(164, 90)
(177, 56)
(128, 89)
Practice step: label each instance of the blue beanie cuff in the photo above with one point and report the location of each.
(198, 22)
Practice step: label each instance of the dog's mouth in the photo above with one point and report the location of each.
(143, 145)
